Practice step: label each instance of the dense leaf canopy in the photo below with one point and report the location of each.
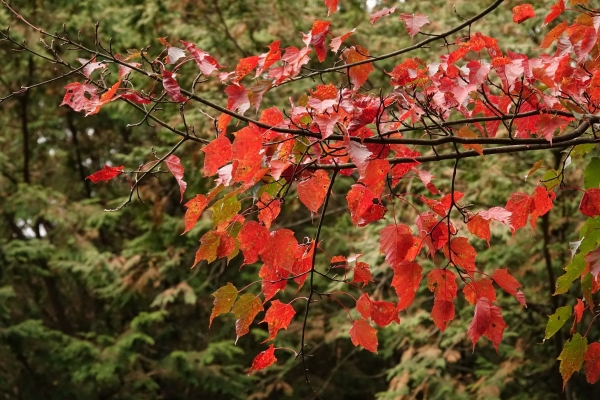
(380, 197)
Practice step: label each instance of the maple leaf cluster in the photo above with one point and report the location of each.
(476, 96)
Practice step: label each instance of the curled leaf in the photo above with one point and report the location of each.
(106, 173)
(264, 359)
(174, 164)
(195, 207)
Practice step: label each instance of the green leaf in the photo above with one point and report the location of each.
(300, 146)
(571, 357)
(591, 175)
(272, 188)
(573, 271)
(586, 288)
(582, 149)
(550, 179)
(305, 120)
(224, 210)
(590, 225)
(590, 235)
(557, 320)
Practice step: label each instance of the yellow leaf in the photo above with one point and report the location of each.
(535, 167)
(465, 132)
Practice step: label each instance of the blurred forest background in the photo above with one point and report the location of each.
(100, 305)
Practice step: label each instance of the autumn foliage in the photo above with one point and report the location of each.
(479, 99)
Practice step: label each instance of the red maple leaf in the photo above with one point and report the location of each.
(135, 97)
(442, 282)
(245, 153)
(409, 71)
(519, 204)
(433, 232)
(480, 227)
(106, 173)
(216, 154)
(237, 100)
(331, 5)
(81, 97)
(362, 273)
(556, 10)
(359, 154)
(195, 207)
(303, 263)
(375, 174)
(293, 59)
(461, 253)
(364, 205)
(553, 35)
(90, 66)
(264, 359)
(269, 58)
(475, 290)
(499, 214)
(381, 13)
(414, 22)
(481, 320)
(268, 209)
(578, 314)
(174, 164)
(406, 280)
(592, 363)
(363, 334)
(487, 321)
(273, 280)
(278, 316)
(395, 242)
(280, 250)
(272, 117)
(590, 203)
(542, 203)
(360, 73)
(496, 326)
(426, 177)
(383, 313)
(547, 124)
(509, 284)
(205, 62)
(363, 306)
(313, 190)
(442, 313)
(522, 12)
(317, 36)
(226, 244)
(252, 238)
(337, 41)
(172, 87)
(244, 66)
(125, 69)
(442, 206)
